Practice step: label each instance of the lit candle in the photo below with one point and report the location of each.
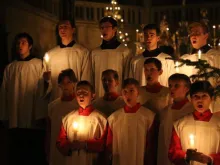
(199, 54)
(192, 141)
(75, 126)
(214, 32)
(177, 66)
(137, 32)
(47, 59)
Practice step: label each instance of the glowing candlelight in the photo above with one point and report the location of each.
(199, 54)
(214, 32)
(47, 59)
(177, 66)
(192, 141)
(75, 125)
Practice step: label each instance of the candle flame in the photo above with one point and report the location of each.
(46, 58)
(75, 125)
(191, 137)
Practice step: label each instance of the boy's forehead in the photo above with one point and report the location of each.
(130, 86)
(150, 65)
(153, 31)
(83, 87)
(23, 39)
(177, 81)
(64, 22)
(108, 75)
(106, 24)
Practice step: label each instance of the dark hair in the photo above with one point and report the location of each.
(67, 73)
(152, 27)
(202, 86)
(109, 19)
(25, 35)
(130, 81)
(155, 61)
(111, 71)
(85, 83)
(181, 77)
(199, 24)
(67, 20)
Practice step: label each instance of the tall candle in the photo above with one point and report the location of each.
(199, 54)
(47, 59)
(192, 141)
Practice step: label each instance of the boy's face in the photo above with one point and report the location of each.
(201, 101)
(197, 37)
(65, 30)
(152, 73)
(109, 83)
(67, 86)
(178, 89)
(22, 47)
(151, 39)
(83, 96)
(130, 95)
(107, 31)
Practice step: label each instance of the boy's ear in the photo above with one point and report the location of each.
(158, 38)
(160, 72)
(93, 96)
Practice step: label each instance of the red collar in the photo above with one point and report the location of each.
(180, 104)
(87, 111)
(68, 98)
(111, 96)
(205, 116)
(133, 109)
(154, 88)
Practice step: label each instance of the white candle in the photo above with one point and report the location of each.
(177, 66)
(75, 125)
(192, 141)
(199, 54)
(214, 31)
(137, 35)
(47, 59)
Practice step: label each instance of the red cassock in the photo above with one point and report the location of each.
(206, 129)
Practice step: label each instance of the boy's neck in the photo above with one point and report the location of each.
(86, 110)
(68, 97)
(153, 83)
(151, 48)
(132, 109)
(176, 100)
(110, 96)
(66, 41)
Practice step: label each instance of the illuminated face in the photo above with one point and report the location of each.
(178, 89)
(130, 95)
(197, 37)
(65, 30)
(109, 83)
(152, 73)
(201, 101)
(83, 96)
(107, 31)
(67, 86)
(22, 47)
(151, 39)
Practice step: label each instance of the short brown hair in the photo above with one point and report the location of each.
(111, 71)
(130, 81)
(85, 83)
(199, 24)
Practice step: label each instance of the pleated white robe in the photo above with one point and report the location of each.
(137, 69)
(129, 132)
(108, 107)
(154, 101)
(89, 127)
(76, 58)
(18, 93)
(169, 116)
(57, 110)
(117, 59)
(207, 139)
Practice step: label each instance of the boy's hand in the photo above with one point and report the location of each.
(198, 156)
(47, 75)
(78, 145)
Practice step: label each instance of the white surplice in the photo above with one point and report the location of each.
(18, 93)
(168, 117)
(129, 135)
(57, 110)
(137, 69)
(117, 59)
